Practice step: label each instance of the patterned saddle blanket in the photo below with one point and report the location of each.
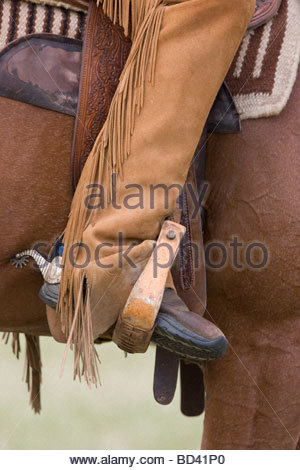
(261, 77)
(264, 70)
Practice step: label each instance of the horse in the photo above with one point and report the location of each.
(252, 394)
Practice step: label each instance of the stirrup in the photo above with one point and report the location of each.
(136, 323)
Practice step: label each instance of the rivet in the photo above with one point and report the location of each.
(171, 234)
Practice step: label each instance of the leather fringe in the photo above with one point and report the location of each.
(32, 366)
(81, 336)
(112, 147)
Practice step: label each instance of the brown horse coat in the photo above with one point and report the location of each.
(35, 195)
(253, 393)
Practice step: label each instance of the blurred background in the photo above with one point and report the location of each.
(120, 414)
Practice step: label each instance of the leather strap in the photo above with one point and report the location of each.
(105, 52)
(165, 376)
(188, 271)
(192, 389)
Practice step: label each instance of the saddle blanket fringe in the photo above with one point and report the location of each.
(19, 18)
(264, 70)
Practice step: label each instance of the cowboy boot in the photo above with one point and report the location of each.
(192, 337)
(181, 51)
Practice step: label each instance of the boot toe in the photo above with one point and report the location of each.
(171, 334)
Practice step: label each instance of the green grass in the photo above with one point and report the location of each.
(121, 414)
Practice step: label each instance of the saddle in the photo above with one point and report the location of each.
(88, 96)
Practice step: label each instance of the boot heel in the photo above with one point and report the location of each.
(137, 321)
